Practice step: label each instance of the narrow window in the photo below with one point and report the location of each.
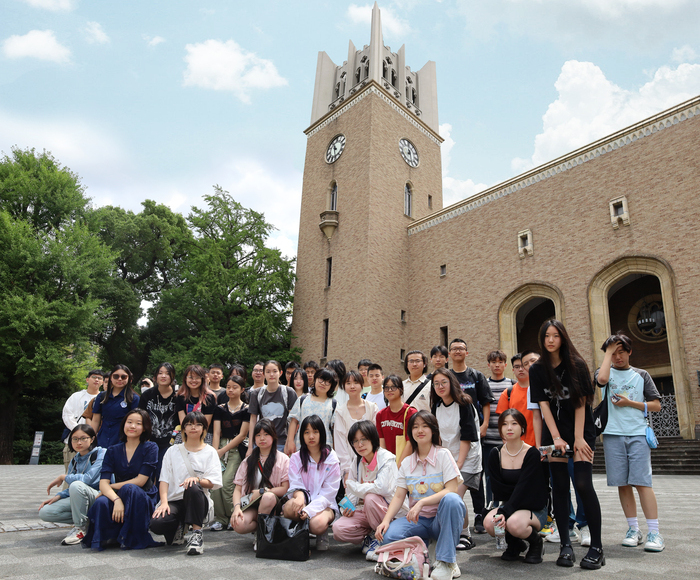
(334, 197)
(408, 201)
(393, 77)
(385, 69)
(443, 270)
(337, 90)
(325, 338)
(329, 269)
(357, 75)
(366, 69)
(618, 208)
(403, 354)
(403, 316)
(443, 335)
(430, 202)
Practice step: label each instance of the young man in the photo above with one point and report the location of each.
(363, 369)
(438, 356)
(311, 369)
(415, 364)
(516, 398)
(215, 374)
(375, 375)
(75, 407)
(475, 385)
(258, 376)
(627, 455)
(498, 383)
(392, 420)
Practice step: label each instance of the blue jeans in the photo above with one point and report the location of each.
(445, 527)
(72, 509)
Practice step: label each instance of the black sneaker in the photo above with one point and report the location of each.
(194, 544)
(479, 524)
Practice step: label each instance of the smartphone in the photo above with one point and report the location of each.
(615, 398)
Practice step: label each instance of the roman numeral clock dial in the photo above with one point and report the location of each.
(335, 148)
(408, 152)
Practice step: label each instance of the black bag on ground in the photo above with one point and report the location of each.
(282, 539)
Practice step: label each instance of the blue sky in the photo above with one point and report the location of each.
(163, 99)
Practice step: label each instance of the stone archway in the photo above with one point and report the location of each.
(508, 311)
(600, 324)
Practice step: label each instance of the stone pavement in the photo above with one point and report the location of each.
(30, 551)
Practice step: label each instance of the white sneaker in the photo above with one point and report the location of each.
(554, 536)
(322, 541)
(216, 527)
(371, 555)
(585, 535)
(75, 536)
(633, 538)
(655, 543)
(367, 542)
(445, 571)
(194, 544)
(179, 537)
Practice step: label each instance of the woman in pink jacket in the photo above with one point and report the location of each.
(314, 478)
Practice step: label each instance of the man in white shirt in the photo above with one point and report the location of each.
(415, 364)
(74, 408)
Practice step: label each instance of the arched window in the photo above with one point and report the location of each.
(333, 201)
(408, 200)
(366, 69)
(337, 90)
(357, 75)
(413, 96)
(393, 77)
(385, 70)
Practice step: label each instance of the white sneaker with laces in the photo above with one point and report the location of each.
(654, 543)
(216, 527)
(554, 536)
(367, 543)
(74, 537)
(633, 538)
(445, 571)
(585, 535)
(195, 543)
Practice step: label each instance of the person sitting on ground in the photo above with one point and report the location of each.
(71, 505)
(369, 487)
(430, 478)
(314, 479)
(261, 481)
(519, 483)
(189, 471)
(122, 512)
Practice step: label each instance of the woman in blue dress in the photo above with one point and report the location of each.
(110, 406)
(122, 513)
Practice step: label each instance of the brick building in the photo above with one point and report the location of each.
(603, 238)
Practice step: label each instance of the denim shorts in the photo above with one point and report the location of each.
(541, 515)
(627, 460)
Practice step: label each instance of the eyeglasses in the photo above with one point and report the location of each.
(360, 441)
(517, 367)
(255, 371)
(194, 426)
(80, 439)
(323, 383)
(415, 361)
(390, 388)
(120, 377)
(458, 349)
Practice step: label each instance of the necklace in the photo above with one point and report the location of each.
(522, 444)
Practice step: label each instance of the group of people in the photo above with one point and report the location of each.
(374, 458)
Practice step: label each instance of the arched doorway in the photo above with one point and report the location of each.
(525, 309)
(636, 295)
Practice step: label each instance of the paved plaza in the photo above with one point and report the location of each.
(31, 551)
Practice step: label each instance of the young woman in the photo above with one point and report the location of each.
(299, 382)
(459, 430)
(288, 369)
(121, 513)
(518, 482)
(237, 370)
(393, 419)
(261, 480)
(190, 469)
(370, 486)
(314, 478)
(356, 409)
(338, 367)
(231, 421)
(110, 406)
(318, 402)
(194, 395)
(274, 401)
(71, 505)
(430, 478)
(561, 384)
(159, 403)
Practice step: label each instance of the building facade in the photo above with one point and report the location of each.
(604, 238)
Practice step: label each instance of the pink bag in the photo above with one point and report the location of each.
(404, 559)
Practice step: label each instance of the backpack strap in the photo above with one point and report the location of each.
(415, 393)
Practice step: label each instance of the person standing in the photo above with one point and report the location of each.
(416, 365)
(75, 407)
(112, 405)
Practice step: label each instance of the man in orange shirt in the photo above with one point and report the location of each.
(515, 397)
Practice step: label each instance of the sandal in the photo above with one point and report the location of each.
(566, 557)
(594, 560)
(465, 542)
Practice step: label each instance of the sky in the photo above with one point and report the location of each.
(163, 99)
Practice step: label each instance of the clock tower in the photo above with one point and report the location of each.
(372, 168)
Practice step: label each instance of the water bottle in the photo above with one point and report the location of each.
(500, 532)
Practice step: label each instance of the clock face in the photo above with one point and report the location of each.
(335, 148)
(408, 152)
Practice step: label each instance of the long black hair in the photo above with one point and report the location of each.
(252, 461)
(128, 388)
(315, 422)
(458, 395)
(571, 360)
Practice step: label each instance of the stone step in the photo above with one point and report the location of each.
(674, 456)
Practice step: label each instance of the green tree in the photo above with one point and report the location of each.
(234, 296)
(52, 270)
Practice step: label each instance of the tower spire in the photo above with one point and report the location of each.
(376, 45)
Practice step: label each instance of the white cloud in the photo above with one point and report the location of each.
(225, 66)
(392, 25)
(685, 53)
(453, 189)
(590, 106)
(95, 34)
(53, 5)
(41, 44)
(153, 40)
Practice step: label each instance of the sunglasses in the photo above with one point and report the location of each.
(120, 377)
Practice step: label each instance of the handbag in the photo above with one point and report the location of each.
(401, 439)
(407, 559)
(600, 414)
(210, 513)
(652, 441)
(280, 538)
